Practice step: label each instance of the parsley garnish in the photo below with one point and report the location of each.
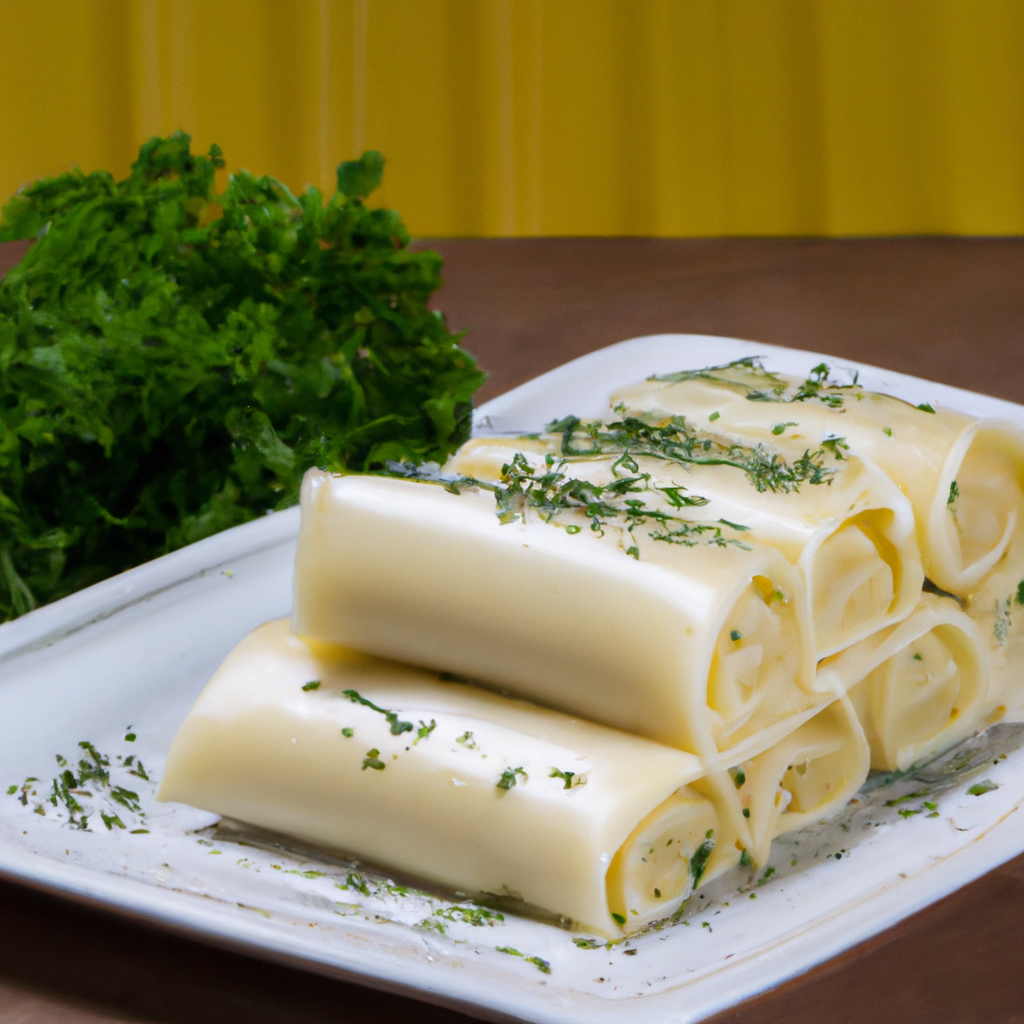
(372, 760)
(424, 730)
(348, 732)
(508, 777)
(672, 439)
(397, 725)
(700, 858)
(313, 684)
(1003, 622)
(466, 739)
(175, 359)
(569, 779)
(925, 407)
(762, 385)
(542, 965)
(954, 493)
(980, 788)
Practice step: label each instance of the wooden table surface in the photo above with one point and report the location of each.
(948, 310)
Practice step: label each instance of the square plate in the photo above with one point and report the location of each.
(128, 657)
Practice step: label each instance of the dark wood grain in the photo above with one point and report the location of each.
(949, 310)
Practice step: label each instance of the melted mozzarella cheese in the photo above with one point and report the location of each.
(919, 688)
(409, 571)
(963, 531)
(259, 748)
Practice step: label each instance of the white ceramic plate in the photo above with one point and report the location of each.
(135, 651)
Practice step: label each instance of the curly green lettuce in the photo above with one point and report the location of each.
(172, 360)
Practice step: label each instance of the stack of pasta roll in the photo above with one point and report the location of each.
(593, 668)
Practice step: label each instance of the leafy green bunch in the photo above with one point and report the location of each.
(172, 360)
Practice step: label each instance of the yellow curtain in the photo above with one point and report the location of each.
(552, 117)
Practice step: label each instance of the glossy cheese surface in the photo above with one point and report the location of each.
(703, 648)
(851, 536)
(920, 687)
(467, 796)
(963, 530)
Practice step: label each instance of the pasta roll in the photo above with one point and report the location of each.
(851, 535)
(920, 687)
(808, 775)
(996, 608)
(702, 648)
(964, 476)
(450, 783)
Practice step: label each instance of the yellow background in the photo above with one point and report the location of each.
(506, 117)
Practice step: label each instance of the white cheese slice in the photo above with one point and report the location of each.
(852, 538)
(467, 796)
(963, 531)
(920, 687)
(703, 648)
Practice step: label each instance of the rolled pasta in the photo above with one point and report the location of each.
(450, 783)
(963, 475)
(851, 535)
(808, 775)
(703, 648)
(996, 608)
(918, 688)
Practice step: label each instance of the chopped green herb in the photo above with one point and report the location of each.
(424, 730)
(348, 732)
(836, 445)
(908, 796)
(768, 872)
(779, 428)
(887, 431)
(372, 760)
(569, 779)
(746, 812)
(618, 918)
(508, 777)
(591, 943)
(925, 407)
(1020, 592)
(762, 385)
(735, 635)
(542, 965)
(930, 805)
(1003, 622)
(714, 416)
(740, 777)
(907, 812)
(175, 359)
(11, 790)
(397, 725)
(699, 859)
(313, 684)
(466, 739)
(672, 439)
(981, 788)
(734, 526)
(917, 657)
(130, 737)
